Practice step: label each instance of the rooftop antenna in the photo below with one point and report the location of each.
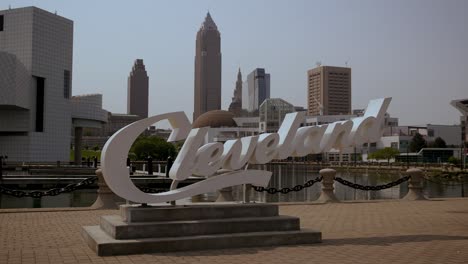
(318, 63)
(9, 7)
(346, 63)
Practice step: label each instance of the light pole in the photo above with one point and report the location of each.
(407, 149)
(355, 156)
(1, 165)
(462, 156)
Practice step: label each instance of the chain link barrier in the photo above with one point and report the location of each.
(286, 190)
(69, 188)
(371, 188)
(151, 190)
(52, 192)
(91, 180)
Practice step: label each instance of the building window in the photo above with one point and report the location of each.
(66, 84)
(430, 132)
(1, 22)
(40, 87)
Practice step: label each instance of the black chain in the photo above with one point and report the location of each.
(371, 188)
(286, 190)
(52, 192)
(151, 190)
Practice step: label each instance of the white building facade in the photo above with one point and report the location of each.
(36, 50)
(36, 57)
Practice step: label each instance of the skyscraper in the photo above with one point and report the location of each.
(137, 90)
(329, 91)
(256, 90)
(207, 94)
(236, 105)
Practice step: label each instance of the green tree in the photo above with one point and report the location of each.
(179, 145)
(156, 147)
(439, 143)
(453, 160)
(417, 143)
(384, 154)
(132, 156)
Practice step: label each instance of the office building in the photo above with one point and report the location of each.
(137, 90)
(115, 121)
(207, 94)
(236, 105)
(272, 113)
(87, 113)
(256, 90)
(462, 106)
(329, 91)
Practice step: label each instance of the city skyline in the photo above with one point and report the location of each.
(410, 51)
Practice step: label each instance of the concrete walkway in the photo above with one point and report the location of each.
(433, 231)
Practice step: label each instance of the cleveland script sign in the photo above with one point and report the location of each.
(197, 158)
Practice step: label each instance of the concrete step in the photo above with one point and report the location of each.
(118, 229)
(105, 245)
(136, 213)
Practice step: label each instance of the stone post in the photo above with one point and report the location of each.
(225, 195)
(106, 198)
(328, 195)
(415, 185)
(247, 190)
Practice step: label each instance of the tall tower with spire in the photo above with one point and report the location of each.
(137, 90)
(236, 105)
(207, 94)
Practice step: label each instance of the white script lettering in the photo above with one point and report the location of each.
(205, 160)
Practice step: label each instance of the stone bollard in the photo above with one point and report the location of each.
(327, 195)
(225, 195)
(415, 185)
(106, 198)
(247, 190)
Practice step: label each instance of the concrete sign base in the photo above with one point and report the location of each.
(162, 228)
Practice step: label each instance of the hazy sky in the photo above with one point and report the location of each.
(413, 51)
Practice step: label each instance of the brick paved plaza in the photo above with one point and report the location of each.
(433, 231)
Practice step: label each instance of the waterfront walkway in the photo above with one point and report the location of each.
(433, 231)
